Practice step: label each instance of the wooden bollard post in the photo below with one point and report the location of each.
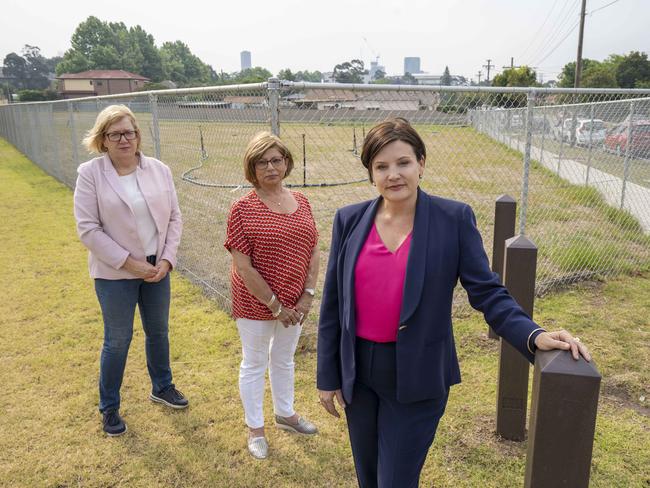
(505, 215)
(512, 393)
(562, 421)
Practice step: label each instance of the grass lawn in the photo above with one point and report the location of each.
(51, 334)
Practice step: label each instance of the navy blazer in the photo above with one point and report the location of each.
(445, 246)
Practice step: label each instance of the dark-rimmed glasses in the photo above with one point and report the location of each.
(275, 162)
(129, 135)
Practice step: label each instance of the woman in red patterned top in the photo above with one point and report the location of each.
(273, 241)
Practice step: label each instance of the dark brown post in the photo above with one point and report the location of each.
(562, 421)
(505, 214)
(512, 394)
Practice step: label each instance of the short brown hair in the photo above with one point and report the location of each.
(395, 129)
(257, 146)
(94, 140)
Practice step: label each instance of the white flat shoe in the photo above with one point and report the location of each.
(258, 447)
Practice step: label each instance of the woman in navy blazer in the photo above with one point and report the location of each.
(395, 390)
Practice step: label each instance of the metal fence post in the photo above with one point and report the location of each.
(559, 153)
(73, 134)
(626, 163)
(562, 421)
(55, 143)
(526, 176)
(544, 126)
(274, 104)
(591, 135)
(512, 391)
(153, 105)
(505, 215)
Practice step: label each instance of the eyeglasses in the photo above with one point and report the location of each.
(129, 135)
(263, 163)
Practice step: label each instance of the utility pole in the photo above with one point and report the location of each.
(479, 74)
(489, 66)
(576, 83)
(512, 64)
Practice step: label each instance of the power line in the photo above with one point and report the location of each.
(548, 16)
(604, 6)
(564, 16)
(560, 43)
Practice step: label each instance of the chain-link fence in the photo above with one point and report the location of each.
(576, 160)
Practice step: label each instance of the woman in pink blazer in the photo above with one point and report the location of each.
(128, 217)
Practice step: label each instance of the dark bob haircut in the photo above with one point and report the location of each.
(395, 129)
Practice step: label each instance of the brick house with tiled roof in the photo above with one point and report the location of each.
(99, 82)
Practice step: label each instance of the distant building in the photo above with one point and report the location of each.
(245, 57)
(327, 99)
(374, 67)
(99, 82)
(429, 79)
(412, 65)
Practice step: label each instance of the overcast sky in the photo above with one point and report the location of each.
(300, 34)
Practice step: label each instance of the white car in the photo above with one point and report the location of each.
(585, 133)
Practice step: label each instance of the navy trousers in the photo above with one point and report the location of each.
(390, 440)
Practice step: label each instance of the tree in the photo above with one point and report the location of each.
(599, 75)
(151, 59)
(15, 67)
(97, 44)
(567, 77)
(29, 71)
(253, 75)
(445, 80)
(313, 76)
(183, 67)
(286, 74)
(523, 76)
(633, 68)
(350, 72)
(380, 74)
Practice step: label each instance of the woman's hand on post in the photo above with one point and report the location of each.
(141, 269)
(547, 341)
(162, 268)
(326, 399)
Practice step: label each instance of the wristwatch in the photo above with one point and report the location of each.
(310, 291)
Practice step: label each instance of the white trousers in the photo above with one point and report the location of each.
(264, 340)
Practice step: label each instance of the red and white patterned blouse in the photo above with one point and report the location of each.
(279, 246)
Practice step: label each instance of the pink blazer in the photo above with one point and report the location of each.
(106, 223)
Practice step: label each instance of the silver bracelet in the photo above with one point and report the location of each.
(529, 336)
(275, 314)
(270, 302)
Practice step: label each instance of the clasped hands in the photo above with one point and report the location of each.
(146, 271)
(294, 316)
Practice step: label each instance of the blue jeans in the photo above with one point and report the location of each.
(118, 299)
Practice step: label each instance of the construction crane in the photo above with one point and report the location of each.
(374, 53)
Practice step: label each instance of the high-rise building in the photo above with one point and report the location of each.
(245, 57)
(412, 65)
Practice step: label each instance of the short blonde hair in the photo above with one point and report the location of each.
(94, 140)
(257, 146)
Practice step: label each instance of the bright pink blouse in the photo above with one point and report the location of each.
(378, 286)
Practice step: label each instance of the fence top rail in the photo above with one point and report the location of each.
(471, 89)
(354, 87)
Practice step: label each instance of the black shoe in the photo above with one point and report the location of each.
(170, 397)
(113, 423)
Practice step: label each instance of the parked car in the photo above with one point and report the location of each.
(587, 131)
(639, 144)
